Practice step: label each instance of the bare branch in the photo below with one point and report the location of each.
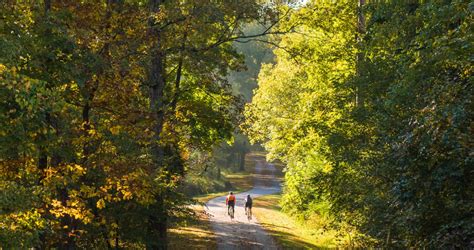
(231, 38)
(293, 54)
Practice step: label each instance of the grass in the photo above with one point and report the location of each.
(240, 181)
(288, 231)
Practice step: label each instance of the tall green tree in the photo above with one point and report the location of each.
(296, 104)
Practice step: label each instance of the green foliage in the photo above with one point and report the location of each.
(423, 113)
(379, 126)
(87, 157)
(295, 105)
(256, 52)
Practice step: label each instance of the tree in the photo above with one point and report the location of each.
(298, 104)
(101, 112)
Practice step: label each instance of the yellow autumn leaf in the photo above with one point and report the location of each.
(115, 130)
(127, 195)
(100, 204)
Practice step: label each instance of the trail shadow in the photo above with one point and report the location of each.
(197, 235)
(238, 235)
(190, 239)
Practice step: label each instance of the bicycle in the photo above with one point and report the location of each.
(230, 211)
(248, 212)
(230, 202)
(248, 207)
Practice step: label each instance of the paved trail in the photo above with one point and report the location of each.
(240, 233)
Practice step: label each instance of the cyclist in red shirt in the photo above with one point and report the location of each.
(230, 202)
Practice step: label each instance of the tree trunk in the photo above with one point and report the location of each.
(43, 154)
(156, 81)
(242, 160)
(178, 76)
(47, 6)
(91, 87)
(157, 222)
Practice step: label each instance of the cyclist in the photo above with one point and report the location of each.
(230, 202)
(248, 206)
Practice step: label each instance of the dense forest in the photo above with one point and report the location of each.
(104, 106)
(370, 105)
(108, 109)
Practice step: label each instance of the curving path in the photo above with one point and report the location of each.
(240, 233)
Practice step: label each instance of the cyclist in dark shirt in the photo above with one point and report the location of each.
(248, 206)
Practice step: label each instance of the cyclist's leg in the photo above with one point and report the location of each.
(230, 208)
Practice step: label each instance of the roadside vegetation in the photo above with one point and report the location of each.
(369, 104)
(294, 233)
